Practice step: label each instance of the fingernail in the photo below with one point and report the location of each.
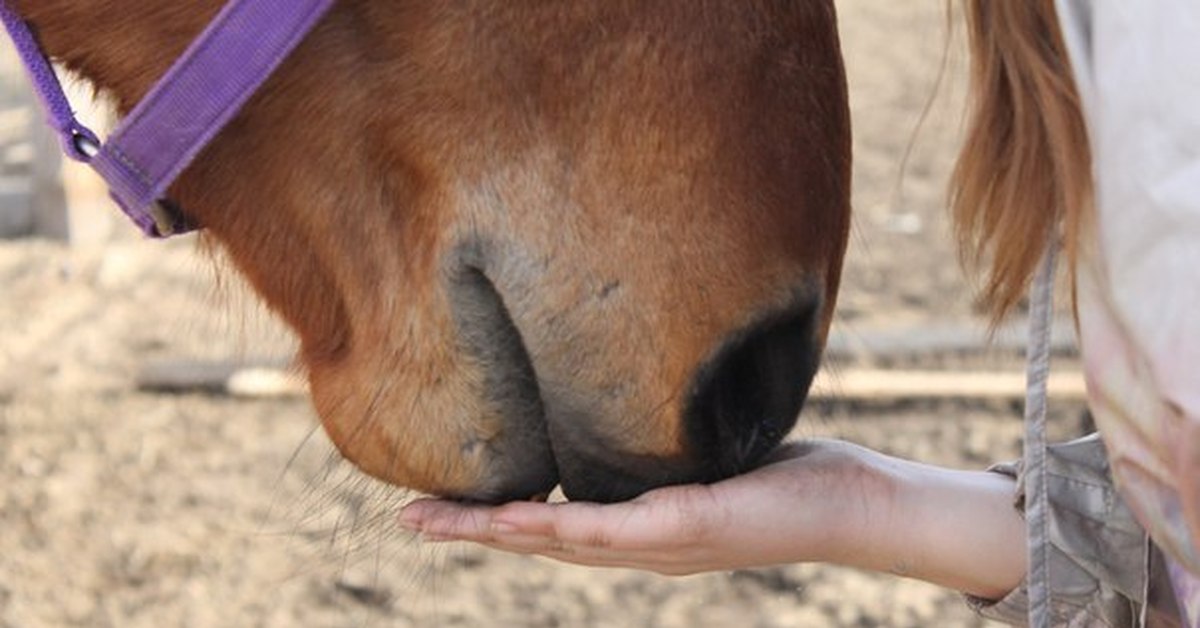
(409, 522)
(503, 527)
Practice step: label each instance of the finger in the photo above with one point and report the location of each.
(444, 520)
(440, 519)
(665, 520)
(637, 535)
(657, 531)
(580, 523)
(529, 525)
(523, 518)
(414, 514)
(663, 563)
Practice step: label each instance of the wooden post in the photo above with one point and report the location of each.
(32, 200)
(48, 200)
(16, 217)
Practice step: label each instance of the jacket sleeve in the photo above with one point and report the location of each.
(1103, 569)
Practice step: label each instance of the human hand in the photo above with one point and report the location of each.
(812, 501)
(821, 500)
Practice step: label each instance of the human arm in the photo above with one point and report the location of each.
(818, 501)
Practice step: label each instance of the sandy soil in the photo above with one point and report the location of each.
(122, 508)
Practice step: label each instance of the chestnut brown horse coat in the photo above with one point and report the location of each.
(523, 242)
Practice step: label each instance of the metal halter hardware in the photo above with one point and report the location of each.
(182, 113)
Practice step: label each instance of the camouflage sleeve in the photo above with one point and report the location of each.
(1103, 568)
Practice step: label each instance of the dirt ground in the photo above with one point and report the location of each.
(125, 508)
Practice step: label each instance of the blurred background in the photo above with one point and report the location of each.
(160, 466)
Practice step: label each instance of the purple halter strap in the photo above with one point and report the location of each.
(183, 112)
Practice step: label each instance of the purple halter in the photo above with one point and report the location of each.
(183, 112)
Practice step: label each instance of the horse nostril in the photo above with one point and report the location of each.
(749, 395)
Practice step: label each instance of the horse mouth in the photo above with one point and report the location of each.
(548, 422)
(744, 398)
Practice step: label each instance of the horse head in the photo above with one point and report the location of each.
(594, 243)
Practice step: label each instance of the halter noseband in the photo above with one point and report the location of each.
(183, 112)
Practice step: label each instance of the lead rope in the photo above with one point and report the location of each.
(1037, 503)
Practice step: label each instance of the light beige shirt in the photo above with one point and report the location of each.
(1137, 67)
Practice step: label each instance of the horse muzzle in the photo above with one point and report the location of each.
(587, 405)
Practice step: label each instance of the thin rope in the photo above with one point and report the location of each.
(1037, 503)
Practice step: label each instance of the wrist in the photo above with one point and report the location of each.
(869, 504)
(845, 501)
(953, 528)
(957, 529)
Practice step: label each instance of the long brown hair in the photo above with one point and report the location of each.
(1024, 170)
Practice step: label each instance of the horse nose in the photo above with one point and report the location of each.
(743, 401)
(748, 396)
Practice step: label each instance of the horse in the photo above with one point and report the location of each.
(594, 244)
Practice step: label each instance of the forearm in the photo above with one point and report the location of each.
(957, 529)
